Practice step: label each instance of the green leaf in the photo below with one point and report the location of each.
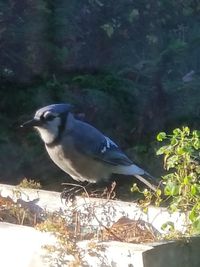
(193, 189)
(180, 151)
(196, 226)
(134, 188)
(185, 180)
(176, 131)
(196, 134)
(161, 136)
(169, 225)
(196, 144)
(174, 206)
(174, 141)
(195, 218)
(193, 214)
(198, 169)
(158, 192)
(172, 161)
(171, 189)
(169, 176)
(162, 150)
(186, 130)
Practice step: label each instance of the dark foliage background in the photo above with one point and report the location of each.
(130, 66)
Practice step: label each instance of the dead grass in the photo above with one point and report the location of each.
(30, 214)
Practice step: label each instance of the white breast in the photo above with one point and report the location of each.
(56, 154)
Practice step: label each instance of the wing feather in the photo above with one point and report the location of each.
(91, 142)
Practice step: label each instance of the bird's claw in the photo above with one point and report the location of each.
(71, 191)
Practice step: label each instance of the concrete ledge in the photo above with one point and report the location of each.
(23, 246)
(184, 253)
(93, 210)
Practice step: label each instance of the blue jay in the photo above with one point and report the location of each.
(81, 150)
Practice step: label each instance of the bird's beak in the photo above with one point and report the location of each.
(31, 123)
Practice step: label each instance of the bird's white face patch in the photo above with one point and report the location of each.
(49, 130)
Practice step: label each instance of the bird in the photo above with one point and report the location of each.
(81, 150)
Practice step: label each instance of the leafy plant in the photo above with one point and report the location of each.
(181, 184)
(149, 197)
(28, 183)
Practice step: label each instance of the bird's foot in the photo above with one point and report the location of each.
(72, 190)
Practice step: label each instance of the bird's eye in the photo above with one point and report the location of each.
(48, 116)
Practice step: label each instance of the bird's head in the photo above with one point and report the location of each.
(50, 121)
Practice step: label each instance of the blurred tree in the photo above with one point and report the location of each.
(131, 66)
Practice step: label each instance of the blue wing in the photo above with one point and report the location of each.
(91, 142)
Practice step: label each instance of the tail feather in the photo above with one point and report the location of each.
(128, 170)
(144, 181)
(136, 171)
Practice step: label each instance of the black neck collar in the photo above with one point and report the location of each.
(61, 129)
